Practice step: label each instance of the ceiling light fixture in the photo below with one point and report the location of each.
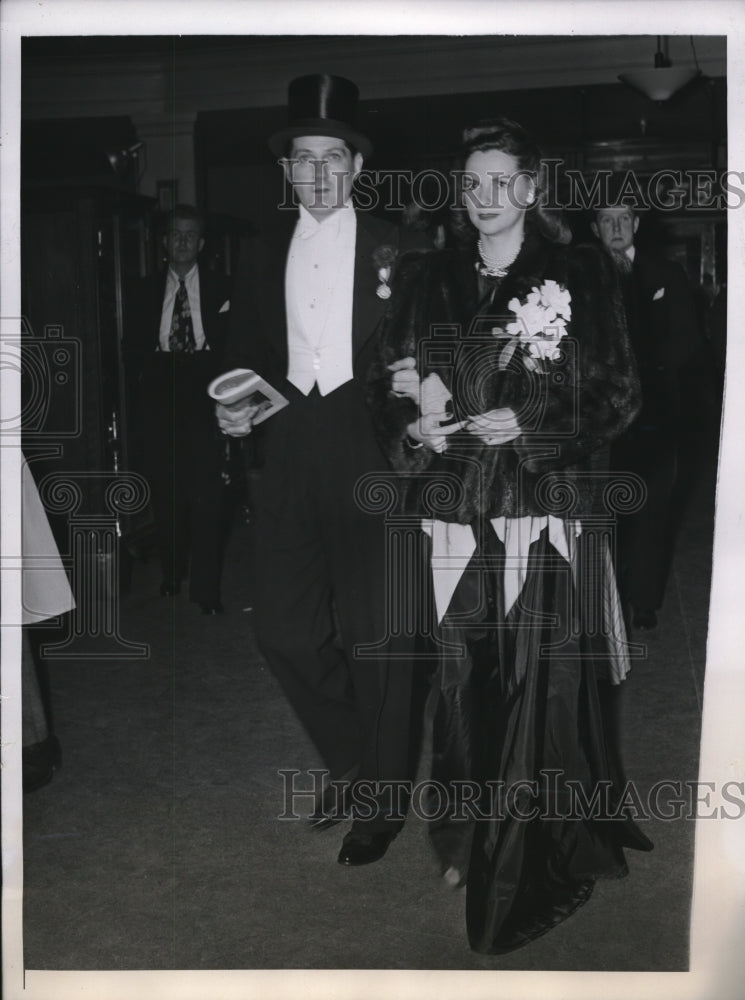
(661, 81)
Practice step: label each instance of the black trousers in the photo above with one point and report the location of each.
(645, 537)
(182, 461)
(322, 591)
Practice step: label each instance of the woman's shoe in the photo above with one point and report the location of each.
(453, 878)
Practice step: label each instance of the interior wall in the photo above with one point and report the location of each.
(582, 128)
(163, 83)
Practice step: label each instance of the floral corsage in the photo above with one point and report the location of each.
(540, 324)
(384, 258)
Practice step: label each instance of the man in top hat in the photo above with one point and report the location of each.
(308, 296)
(661, 316)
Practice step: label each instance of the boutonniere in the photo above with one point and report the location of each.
(384, 258)
(540, 323)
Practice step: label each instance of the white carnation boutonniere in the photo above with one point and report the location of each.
(384, 259)
(540, 324)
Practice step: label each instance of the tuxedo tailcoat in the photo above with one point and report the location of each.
(321, 561)
(179, 447)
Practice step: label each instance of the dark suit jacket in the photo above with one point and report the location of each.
(664, 333)
(258, 319)
(154, 390)
(143, 309)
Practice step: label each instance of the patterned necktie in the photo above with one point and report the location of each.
(182, 328)
(623, 262)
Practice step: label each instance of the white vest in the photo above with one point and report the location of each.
(319, 292)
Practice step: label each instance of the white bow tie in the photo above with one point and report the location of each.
(308, 227)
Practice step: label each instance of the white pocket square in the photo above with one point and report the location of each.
(225, 306)
(659, 294)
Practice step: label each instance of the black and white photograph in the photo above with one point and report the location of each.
(415, 671)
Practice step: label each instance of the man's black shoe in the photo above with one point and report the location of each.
(364, 848)
(40, 761)
(169, 588)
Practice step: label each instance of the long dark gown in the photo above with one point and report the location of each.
(518, 707)
(524, 722)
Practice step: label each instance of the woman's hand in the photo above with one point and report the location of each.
(495, 427)
(433, 429)
(405, 381)
(235, 420)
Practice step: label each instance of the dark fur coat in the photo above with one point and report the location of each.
(569, 411)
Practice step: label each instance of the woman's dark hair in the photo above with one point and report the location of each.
(506, 136)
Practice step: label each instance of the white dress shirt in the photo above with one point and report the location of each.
(319, 292)
(191, 283)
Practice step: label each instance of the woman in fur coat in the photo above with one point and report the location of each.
(504, 375)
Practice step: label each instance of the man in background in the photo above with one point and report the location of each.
(661, 315)
(175, 329)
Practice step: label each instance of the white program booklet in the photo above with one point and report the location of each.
(243, 385)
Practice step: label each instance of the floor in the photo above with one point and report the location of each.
(158, 843)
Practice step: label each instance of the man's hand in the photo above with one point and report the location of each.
(235, 420)
(432, 430)
(405, 381)
(495, 427)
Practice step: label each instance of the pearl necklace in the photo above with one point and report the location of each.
(494, 266)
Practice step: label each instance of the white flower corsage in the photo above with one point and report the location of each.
(384, 258)
(540, 323)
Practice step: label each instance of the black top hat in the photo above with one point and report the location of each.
(321, 105)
